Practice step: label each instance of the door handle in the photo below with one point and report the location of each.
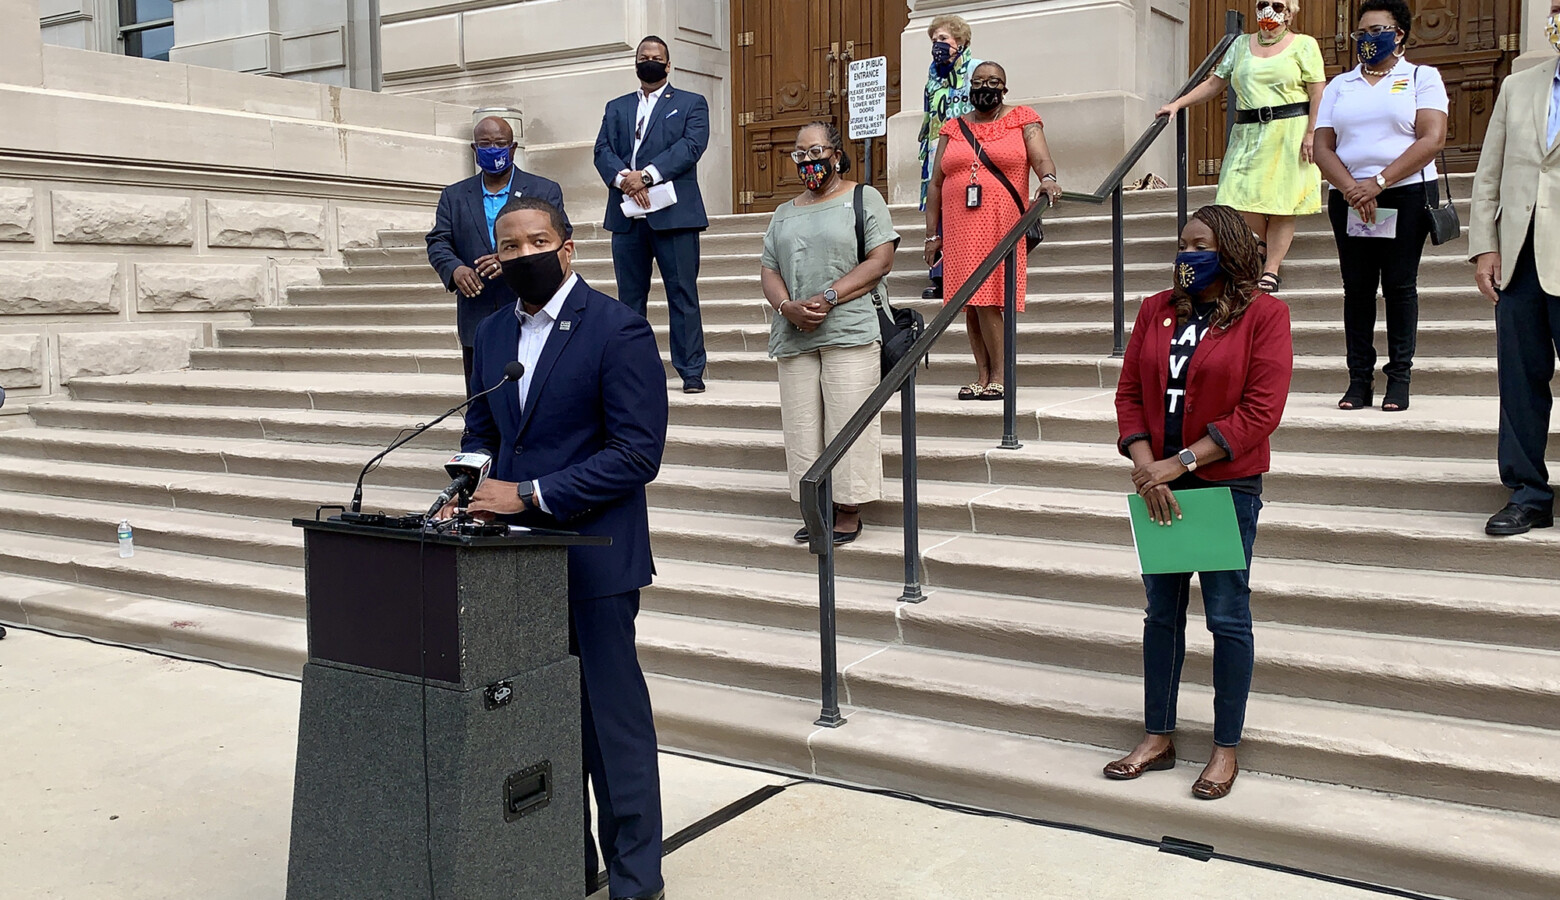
(834, 72)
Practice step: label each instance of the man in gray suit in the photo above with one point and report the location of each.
(1516, 213)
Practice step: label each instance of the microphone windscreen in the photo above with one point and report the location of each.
(514, 371)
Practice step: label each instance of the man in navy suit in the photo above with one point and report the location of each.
(573, 447)
(656, 136)
(461, 246)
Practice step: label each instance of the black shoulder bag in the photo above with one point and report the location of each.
(900, 328)
(1036, 232)
(1444, 224)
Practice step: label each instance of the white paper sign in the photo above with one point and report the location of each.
(868, 90)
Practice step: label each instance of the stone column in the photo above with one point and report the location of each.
(1096, 73)
(21, 43)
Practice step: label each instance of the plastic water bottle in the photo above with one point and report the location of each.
(126, 540)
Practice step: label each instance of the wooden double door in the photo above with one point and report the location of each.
(1471, 42)
(789, 68)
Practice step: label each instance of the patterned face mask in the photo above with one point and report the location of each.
(1553, 30)
(1195, 270)
(815, 173)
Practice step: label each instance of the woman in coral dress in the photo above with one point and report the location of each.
(974, 208)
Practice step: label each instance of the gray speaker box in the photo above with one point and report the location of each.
(507, 808)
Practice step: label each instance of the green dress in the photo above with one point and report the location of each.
(1262, 170)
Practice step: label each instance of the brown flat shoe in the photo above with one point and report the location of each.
(1203, 789)
(1121, 770)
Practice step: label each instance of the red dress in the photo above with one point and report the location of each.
(970, 234)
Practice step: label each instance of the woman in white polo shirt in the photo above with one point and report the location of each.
(1377, 133)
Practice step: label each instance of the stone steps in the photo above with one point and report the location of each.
(1405, 703)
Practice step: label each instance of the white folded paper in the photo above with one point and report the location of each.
(661, 196)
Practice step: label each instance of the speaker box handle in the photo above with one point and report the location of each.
(528, 791)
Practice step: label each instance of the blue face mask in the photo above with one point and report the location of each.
(1195, 270)
(495, 160)
(1373, 48)
(942, 57)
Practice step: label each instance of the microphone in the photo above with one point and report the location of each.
(469, 471)
(513, 372)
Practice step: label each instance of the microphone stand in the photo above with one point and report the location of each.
(512, 373)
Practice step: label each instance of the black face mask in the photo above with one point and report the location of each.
(650, 71)
(986, 99)
(535, 278)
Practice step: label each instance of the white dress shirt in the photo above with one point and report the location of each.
(534, 332)
(647, 104)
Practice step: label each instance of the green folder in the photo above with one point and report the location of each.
(1205, 539)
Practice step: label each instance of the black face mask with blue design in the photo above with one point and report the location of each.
(1197, 270)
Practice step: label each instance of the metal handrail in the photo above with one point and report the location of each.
(816, 484)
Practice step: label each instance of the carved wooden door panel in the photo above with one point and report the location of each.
(789, 69)
(1471, 42)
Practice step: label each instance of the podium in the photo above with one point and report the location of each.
(457, 647)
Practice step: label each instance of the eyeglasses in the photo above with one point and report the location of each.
(1277, 7)
(814, 153)
(490, 145)
(989, 83)
(1372, 31)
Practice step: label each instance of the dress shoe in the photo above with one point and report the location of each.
(801, 536)
(1121, 770)
(693, 385)
(846, 537)
(1514, 519)
(932, 293)
(1203, 789)
(655, 895)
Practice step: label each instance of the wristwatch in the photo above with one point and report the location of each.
(527, 492)
(1381, 182)
(832, 296)
(1188, 459)
(646, 177)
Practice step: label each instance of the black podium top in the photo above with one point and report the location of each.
(532, 537)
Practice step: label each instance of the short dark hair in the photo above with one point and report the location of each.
(835, 139)
(652, 39)
(554, 214)
(1398, 9)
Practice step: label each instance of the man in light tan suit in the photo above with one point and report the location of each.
(1514, 241)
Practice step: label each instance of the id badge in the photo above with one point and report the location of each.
(972, 197)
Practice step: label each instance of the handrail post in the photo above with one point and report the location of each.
(1183, 168)
(1010, 348)
(908, 475)
(1118, 252)
(829, 665)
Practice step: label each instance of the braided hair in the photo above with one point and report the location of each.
(836, 140)
(1239, 257)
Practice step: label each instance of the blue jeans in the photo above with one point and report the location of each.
(1227, 608)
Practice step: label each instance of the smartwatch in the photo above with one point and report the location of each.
(1186, 457)
(527, 492)
(832, 296)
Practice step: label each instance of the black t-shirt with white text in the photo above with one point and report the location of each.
(1184, 340)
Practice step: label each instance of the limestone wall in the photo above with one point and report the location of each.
(144, 203)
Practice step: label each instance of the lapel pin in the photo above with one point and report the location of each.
(1169, 322)
(565, 325)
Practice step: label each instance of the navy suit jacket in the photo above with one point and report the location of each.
(676, 136)
(591, 434)
(460, 235)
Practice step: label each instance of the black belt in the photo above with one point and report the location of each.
(1266, 114)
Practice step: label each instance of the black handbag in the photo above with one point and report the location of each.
(1035, 233)
(900, 328)
(1444, 224)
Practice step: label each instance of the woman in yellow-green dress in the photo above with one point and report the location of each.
(1268, 173)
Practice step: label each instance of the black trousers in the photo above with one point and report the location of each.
(1527, 336)
(677, 253)
(1390, 265)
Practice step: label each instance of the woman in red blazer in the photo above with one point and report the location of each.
(1202, 388)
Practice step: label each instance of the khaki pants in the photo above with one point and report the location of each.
(819, 392)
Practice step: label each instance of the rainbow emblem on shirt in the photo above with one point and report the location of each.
(1399, 85)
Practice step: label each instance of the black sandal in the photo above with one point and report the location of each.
(970, 391)
(1396, 399)
(1269, 282)
(1357, 397)
(993, 391)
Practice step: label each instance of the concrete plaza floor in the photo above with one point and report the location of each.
(131, 776)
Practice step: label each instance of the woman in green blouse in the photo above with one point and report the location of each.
(1268, 173)
(825, 335)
